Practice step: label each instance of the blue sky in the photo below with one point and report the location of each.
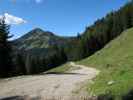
(63, 17)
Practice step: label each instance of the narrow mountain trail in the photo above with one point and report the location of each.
(48, 86)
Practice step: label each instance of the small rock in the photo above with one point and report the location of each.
(111, 82)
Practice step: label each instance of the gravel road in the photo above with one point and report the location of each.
(46, 86)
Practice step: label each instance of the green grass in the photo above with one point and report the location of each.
(61, 69)
(115, 61)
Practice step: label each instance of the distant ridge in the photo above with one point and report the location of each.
(38, 38)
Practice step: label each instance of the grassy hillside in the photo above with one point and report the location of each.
(116, 64)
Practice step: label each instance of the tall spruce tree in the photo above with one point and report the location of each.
(6, 65)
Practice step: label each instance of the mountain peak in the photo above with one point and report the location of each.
(41, 31)
(37, 30)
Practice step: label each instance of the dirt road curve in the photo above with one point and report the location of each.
(47, 85)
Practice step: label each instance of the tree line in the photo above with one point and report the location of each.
(107, 28)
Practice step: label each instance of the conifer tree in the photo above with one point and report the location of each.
(6, 64)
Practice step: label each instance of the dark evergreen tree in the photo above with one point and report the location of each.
(6, 65)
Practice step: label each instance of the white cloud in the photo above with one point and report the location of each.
(12, 20)
(38, 1)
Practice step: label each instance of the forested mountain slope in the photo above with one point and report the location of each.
(107, 28)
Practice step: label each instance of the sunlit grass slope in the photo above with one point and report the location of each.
(115, 61)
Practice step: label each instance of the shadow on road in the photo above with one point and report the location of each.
(20, 98)
(13, 98)
(61, 73)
